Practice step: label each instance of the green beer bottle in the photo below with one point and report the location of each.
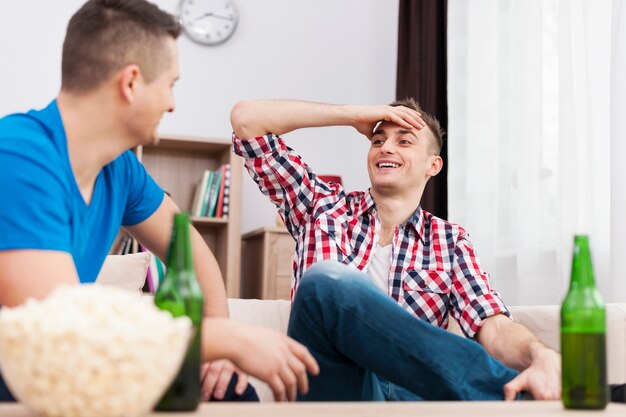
(180, 294)
(583, 336)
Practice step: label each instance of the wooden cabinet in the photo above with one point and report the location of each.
(267, 264)
(177, 164)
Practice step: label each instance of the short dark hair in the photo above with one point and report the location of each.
(430, 120)
(104, 36)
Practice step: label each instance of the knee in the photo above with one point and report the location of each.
(318, 277)
(326, 278)
(325, 270)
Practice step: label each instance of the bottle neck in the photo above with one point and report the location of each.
(582, 268)
(180, 254)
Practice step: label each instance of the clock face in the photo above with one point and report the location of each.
(209, 22)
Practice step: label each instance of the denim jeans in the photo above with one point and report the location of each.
(5, 394)
(362, 338)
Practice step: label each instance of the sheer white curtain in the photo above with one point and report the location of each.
(618, 151)
(530, 109)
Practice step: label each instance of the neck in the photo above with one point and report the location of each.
(393, 210)
(94, 136)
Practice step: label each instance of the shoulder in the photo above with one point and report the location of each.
(36, 134)
(438, 225)
(28, 144)
(127, 160)
(21, 129)
(124, 169)
(125, 176)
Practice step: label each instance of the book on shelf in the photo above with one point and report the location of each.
(220, 196)
(198, 198)
(226, 201)
(205, 193)
(125, 245)
(213, 193)
(211, 196)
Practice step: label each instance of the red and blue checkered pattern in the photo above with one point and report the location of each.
(434, 271)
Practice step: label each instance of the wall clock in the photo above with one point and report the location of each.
(208, 22)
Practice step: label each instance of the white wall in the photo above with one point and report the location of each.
(332, 51)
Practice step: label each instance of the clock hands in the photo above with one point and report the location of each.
(211, 14)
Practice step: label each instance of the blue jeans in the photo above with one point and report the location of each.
(362, 338)
(5, 394)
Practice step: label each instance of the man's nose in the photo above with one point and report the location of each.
(387, 147)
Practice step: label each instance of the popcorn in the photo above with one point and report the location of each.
(91, 351)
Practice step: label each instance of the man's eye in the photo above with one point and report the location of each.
(377, 142)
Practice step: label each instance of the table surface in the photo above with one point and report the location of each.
(372, 409)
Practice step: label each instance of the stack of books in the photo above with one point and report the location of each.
(211, 198)
(126, 245)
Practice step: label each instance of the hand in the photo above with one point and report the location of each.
(542, 378)
(367, 117)
(215, 377)
(276, 359)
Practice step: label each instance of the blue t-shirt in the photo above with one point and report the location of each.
(41, 206)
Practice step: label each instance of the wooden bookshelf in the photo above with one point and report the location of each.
(177, 164)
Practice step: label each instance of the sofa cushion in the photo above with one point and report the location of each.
(267, 313)
(125, 271)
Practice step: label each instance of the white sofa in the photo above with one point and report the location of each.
(129, 271)
(543, 321)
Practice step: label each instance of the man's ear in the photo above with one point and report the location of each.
(435, 165)
(128, 82)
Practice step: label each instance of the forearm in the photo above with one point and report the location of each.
(210, 278)
(510, 342)
(516, 347)
(252, 118)
(221, 339)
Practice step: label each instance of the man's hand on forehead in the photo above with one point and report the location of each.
(369, 118)
(416, 121)
(405, 117)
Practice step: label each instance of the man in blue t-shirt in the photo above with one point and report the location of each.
(68, 181)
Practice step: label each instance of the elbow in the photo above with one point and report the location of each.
(241, 119)
(491, 329)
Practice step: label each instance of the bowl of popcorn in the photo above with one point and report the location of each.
(90, 350)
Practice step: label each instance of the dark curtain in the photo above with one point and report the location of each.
(422, 74)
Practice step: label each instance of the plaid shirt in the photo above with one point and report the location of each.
(434, 270)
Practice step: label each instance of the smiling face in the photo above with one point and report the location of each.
(400, 161)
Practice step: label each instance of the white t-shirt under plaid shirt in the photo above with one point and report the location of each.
(434, 270)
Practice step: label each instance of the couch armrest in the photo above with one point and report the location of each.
(544, 322)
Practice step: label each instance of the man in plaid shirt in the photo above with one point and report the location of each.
(367, 264)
